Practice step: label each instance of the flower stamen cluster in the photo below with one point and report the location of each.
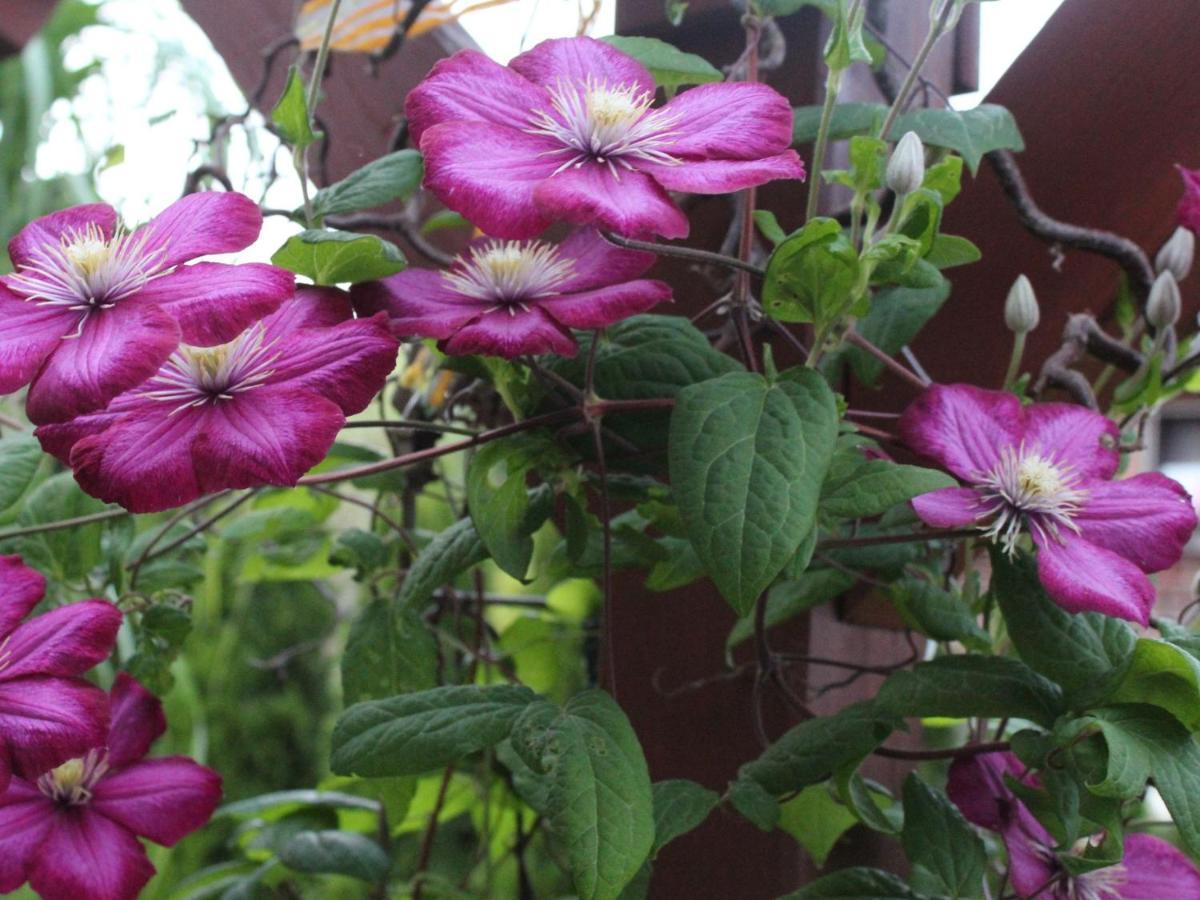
(71, 783)
(605, 124)
(193, 376)
(1027, 487)
(509, 272)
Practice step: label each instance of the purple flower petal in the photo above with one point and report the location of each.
(722, 176)
(606, 305)
(65, 641)
(1189, 203)
(500, 333)
(26, 816)
(137, 721)
(213, 303)
(1083, 577)
(951, 507)
(116, 349)
(87, 855)
(200, 224)
(1074, 435)
(580, 59)
(418, 303)
(313, 307)
(58, 438)
(347, 363)
(488, 174)
(151, 459)
(20, 590)
(729, 120)
(1147, 519)
(28, 334)
(45, 721)
(963, 428)
(629, 203)
(1151, 870)
(48, 231)
(469, 86)
(162, 799)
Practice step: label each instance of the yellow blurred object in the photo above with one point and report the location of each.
(366, 26)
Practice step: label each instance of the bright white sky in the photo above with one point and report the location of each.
(155, 111)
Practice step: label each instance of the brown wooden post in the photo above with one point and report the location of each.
(19, 21)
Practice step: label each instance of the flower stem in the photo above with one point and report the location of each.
(704, 256)
(870, 540)
(102, 516)
(300, 158)
(833, 83)
(1014, 362)
(937, 27)
(895, 365)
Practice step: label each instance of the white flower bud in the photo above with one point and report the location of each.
(906, 168)
(1175, 256)
(1164, 305)
(1021, 313)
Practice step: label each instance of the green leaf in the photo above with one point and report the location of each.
(413, 733)
(845, 45)
(787, 599)
(994, 687)
(290, 114)
(811, 751)
(363, 551)
(336, 257)
(66, 554)
(859, 488)
(21, 458)
(939, 843)
(811, 275)
(752, 800)
(950, 250)
(747, 459)
(669, 65)
(859, 883)
(446, 557)
(1083, 652)
(679, 807)
(599, 804)
(921, 217)
(389, 652)
(970, 133)
(938, 613)
(498, 498)
(897, 315)
(278, 803)
(681, 567)
(381, 181)
(945, 178)
(816, 820)
(1163, 675)
(860, 797)
(769, 226)
(336, 853)
(848, 120)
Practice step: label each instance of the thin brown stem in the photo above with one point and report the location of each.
(703, 256)
(89, 519)
(430, 834)
(890, 362)
(136, 568)
(202, 526)
(943, 534)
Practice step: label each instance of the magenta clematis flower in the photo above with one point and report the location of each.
(567, 132)
(1151, 869)
(47, 712)
(72, 832)
(1189, 203)
(93, 310)
(261, 409)
(510, 298)
(1047, 468)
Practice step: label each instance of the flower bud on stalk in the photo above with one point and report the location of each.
(1175, 256)
(1021, 313)
(906, 168)
(1164, 305)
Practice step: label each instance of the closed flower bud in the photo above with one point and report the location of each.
(1175, 256)
(1164, 305)
(906, 168)
(1021, 313)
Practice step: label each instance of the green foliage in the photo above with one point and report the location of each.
(389, 652)
(747, 460)
(816, 820)
(860, 488)
(336, 852)
(599, 800)
(384, 180)
(938, 613)
(972, 685)
(859, 883)
(416, 732)
(669, 65)
(849, 119)
(970, 133)
(21, 460)
(947, 855)
(679, 807)
(811, 275)
(291, 115)
(335, 257)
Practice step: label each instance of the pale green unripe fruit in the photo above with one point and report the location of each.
(1021, 313)
(1175, 256)
(1164, 305)
(906, 168)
